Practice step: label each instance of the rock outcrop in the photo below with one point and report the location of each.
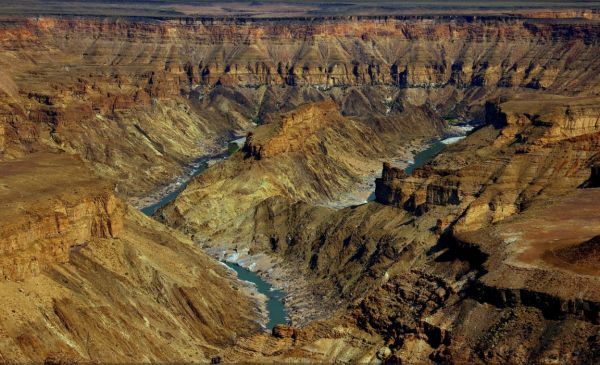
(522, 265)
(310, 154)
(305, 55)
(475, 257)
(169, 90)
(487, 254)
(30, 245)
(387, 190)
(86, 278)
(543, 136)
(290, 132)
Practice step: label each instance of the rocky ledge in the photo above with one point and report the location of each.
(288, 132)
(44, 223)
(546, 257)
(85, 278)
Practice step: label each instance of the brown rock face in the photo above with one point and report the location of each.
(294, 53)
(290, 132)
(310, 154)
(283, 331)
(485, 255)
(386, 187)
(166, 91)
(544, 136)
(86, 278)
(476, 257)
(35, 236)
(562, 251)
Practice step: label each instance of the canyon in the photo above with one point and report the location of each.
(484, 253)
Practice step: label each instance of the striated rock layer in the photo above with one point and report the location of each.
(37, 233)
(139, 100)
(328, 52)
(310, 154)
(485, 254)
(87, 278)
(291, 132)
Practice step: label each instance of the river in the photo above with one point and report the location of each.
(197, 168)
(430, 152)
(424, 156)
(276, 309)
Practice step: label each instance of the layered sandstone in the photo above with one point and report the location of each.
(37, 233)
(520, 187)
(86, 278)
(141, 99)
(290, 132)
(540, 137)
(310, 154)
(479, 256)
(539, 249)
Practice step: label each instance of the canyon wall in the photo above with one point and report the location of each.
(404, 51)
(87, 278)
(481, 255)
(28, 247)
(139, 100)
(425, 273)
(311, 154)
(290, 132)
(550, 141)
(37, 234)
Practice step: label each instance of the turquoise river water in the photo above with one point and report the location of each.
(275, 307)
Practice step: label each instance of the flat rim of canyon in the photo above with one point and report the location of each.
(285, 9)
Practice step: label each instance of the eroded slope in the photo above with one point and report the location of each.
(139, 100)
(311, 154)
(465, 259)
(87, 278)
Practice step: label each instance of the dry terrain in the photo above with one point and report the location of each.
(488, 253)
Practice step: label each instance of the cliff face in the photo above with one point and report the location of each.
(311, 154)
(45, 233)
(139, 100)
(456, 262)
(290, 132)
(328, 52)
(512, 207)
(86, 278)
(30, 246)
(550, 142)
(476, 254)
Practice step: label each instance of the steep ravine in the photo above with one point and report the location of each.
(283, 161)
(485, 254)
(270, 266)
(245, 265)
(86, 278)
(269, 299)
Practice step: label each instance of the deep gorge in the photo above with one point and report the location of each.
(483, 251)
